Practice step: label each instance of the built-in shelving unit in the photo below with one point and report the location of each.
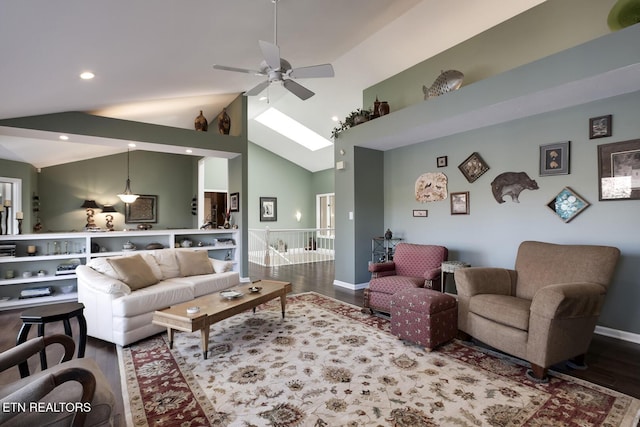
(56, 255)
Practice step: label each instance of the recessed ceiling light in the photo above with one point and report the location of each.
(262, 98)
(131, 144)
(64, 137)
(87, 75)
(334, 118)
(188, 151)
(292, 129)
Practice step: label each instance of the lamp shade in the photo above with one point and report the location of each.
(108, 208)
(90, 204)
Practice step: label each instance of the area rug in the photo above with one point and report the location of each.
(328, 364)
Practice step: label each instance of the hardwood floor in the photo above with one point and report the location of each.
(612, 363)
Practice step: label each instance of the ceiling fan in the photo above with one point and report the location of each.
(278, 69)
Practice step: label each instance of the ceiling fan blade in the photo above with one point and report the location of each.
(297, 89)
(323, 70)
(271, 53)
(257, 89)
(237, 70)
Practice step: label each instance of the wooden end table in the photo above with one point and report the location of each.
(214, 308)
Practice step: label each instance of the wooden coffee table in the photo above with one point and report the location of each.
(214, 308)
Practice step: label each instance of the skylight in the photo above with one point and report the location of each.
(292, 129)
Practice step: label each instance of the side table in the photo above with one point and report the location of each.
(47, 314)
(449, 267)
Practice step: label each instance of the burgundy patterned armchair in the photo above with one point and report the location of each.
(413, 266)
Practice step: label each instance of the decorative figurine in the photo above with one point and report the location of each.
(224, 122)
(388, 234)
(201, 123)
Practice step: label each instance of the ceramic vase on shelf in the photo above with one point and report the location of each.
(384, 108)
(224, 122)
(201, 123)
(388, 234)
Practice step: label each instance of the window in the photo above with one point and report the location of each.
(325, 214)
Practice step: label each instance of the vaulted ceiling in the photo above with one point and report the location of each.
(153, 61)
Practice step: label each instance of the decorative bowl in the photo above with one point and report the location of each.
(66, 289)
(231, 294)
(255, 289)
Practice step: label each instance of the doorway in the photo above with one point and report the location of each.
(215, 207)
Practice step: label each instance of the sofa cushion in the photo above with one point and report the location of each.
(167, 262)
(152, 298)
(393, 284)
(504, 309)
(207, 283)
(102, 265)
(134, 271)
(220, 266)
(193, 263)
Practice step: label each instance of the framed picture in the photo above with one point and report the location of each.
(554, 159)
(567, 204)
(234, 202)
(619, 170)
(473, 167)
(268, 209)
(600, 127)
(420, 213)
(460, 203)
(441, 161)
(143, 210)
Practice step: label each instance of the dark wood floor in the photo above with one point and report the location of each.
(612, 363)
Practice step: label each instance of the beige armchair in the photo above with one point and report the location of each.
(72, 393)
(545, 310)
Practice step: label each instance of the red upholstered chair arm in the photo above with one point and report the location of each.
(432, 274)
(382, 269)
(569, 300)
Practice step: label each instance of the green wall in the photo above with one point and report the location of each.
(63, 188)
(216, 176)
(272, 176)
(491, 233)
(548, 28)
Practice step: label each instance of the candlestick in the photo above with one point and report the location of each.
(19, 226)
(1, 210)
(6, 218)
(19, 215)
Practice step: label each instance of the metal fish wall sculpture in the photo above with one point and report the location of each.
(447, 81)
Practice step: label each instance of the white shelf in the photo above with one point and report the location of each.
(111, 241)
(30, 302)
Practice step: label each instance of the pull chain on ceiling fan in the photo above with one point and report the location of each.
(278, 69)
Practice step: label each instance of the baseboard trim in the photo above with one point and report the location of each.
(621, 335)
(351, 286)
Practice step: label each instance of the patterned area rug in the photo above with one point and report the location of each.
(327, 364)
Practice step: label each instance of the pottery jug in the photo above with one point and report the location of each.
(384, 108)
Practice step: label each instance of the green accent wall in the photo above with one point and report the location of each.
(63, 189)
(273, 176)
(551, 27)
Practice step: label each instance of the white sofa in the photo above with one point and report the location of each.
(121, 293)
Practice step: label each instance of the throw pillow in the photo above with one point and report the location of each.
(194, 263)
(101, 265)
(133, 271)
(166, 260)
(220, 266)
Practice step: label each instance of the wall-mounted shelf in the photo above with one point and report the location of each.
(54, 249)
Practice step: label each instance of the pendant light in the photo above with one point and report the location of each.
(127, 196)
